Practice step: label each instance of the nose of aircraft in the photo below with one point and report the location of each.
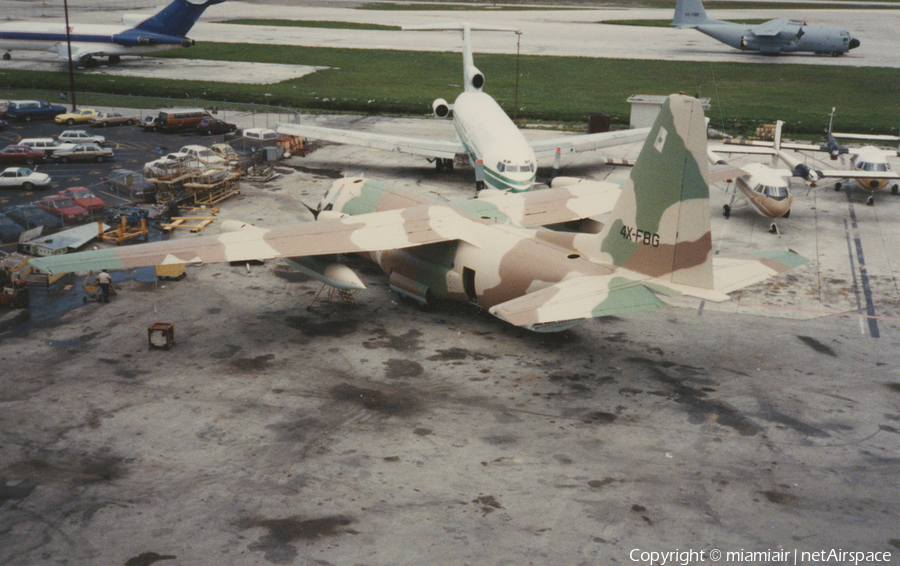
(854, 43)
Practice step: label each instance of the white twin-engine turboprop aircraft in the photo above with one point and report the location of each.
(486, 133)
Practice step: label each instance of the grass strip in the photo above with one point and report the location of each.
(551, 89)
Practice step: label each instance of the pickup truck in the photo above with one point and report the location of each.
(29, 110)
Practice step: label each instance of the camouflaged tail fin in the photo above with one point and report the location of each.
(660, 225)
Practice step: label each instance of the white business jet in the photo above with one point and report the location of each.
(503, 158)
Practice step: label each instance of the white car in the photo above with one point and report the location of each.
(80, 136)
(23, 177)
(171, 165)
(203, 155)
(47, 145)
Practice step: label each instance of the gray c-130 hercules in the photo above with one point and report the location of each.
(769, 38)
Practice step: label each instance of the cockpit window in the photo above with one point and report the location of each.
(776, 193)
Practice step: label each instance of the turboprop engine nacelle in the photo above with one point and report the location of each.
(440, 108)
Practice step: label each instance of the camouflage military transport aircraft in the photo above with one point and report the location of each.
(508, 162)
(494, 252)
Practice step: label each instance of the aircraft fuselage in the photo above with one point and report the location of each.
(98, 39)
(809, 38)
(488, 134)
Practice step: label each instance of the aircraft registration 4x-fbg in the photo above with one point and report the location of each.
(496, 252)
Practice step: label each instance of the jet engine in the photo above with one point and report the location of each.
(474, 77)
(804, 171)
(187, 42)
(440, 108)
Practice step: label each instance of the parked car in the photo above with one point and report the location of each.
(260, 137)
(225, 151)
(105, 119)
(149, 123)
(4, 104)
(63, 207)
(20, 154)
(30, 216)
(9, 229)
(84, 152)
(76, 116)
(47, 145)
(131, 183)
(204, 155)
(28, 110)
(211, 126)
(80, 136)
(84, 198)
(171, 165)
(23, 177)
(3, 124)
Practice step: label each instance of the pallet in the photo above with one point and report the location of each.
(182, 222)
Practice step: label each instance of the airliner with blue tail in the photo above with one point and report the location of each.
(164, 30)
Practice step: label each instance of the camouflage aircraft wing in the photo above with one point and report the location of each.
(588, 296)
(545, 207)
(392, 229)
(415, 146)
(587, 142)
(624, 291)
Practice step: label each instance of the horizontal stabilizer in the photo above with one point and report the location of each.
(733, 272)
(579, 298)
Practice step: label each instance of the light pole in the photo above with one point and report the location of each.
(69, 46)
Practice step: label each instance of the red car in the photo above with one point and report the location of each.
(84, 198)
(63, 207)
(20, 154)
(210, 126)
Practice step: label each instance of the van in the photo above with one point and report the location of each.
(181, 118)
(47, 145)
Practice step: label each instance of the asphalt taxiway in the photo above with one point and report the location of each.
(283, 430)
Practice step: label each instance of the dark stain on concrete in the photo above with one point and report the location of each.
(290, 275)
(794, 423)
(259, 363)
(894, 386)
(779, 497)
(277, 544)
(227, 351)
(454, 354)
(600, 483)
(148, 558)
(62, 468)
(599, 417)
(395, 368)
(405, 343)
(329, 328)
(501, 439)
(422, 431)
(488, 504)
(817, 346)
(15, 490)
(699, 407)
(389, 402)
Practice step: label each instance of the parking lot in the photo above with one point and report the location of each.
(132, 146)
